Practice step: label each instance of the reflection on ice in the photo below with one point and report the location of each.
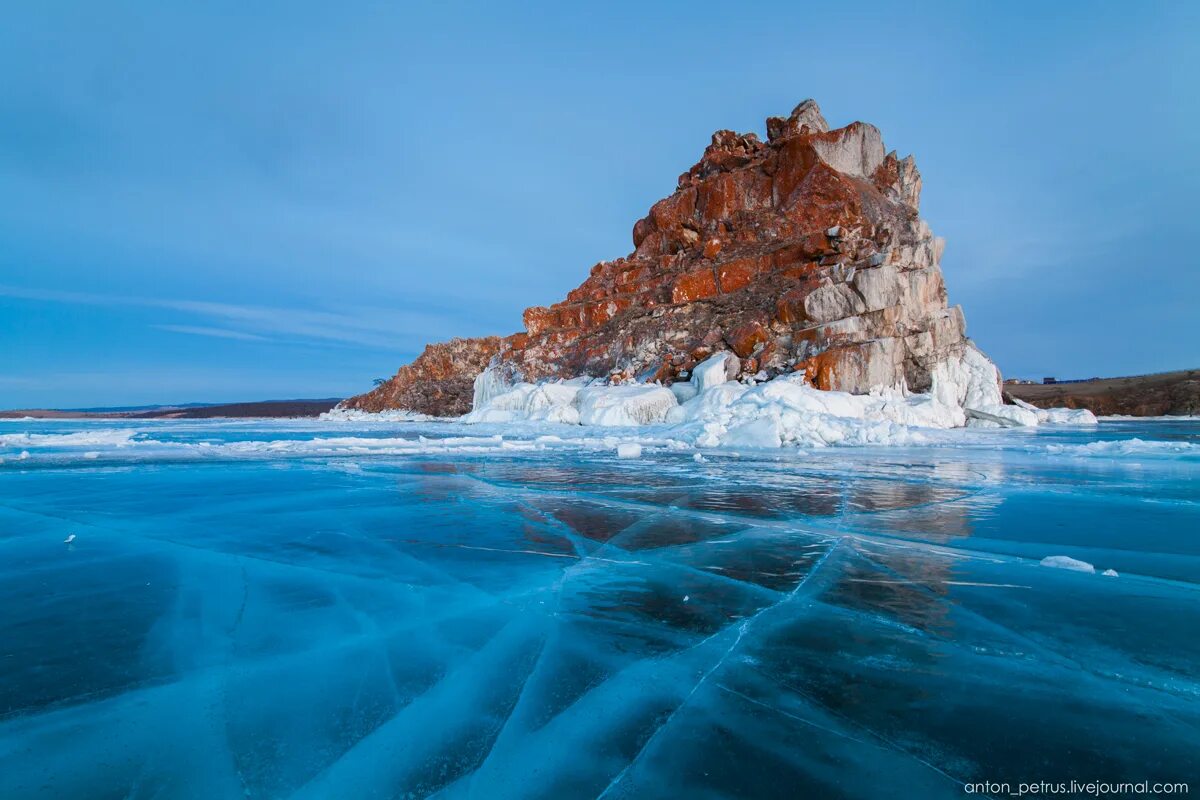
(558, 622)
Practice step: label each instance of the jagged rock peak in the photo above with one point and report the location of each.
(804, 253)
(805, 118)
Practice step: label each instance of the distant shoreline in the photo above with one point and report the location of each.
(261, 408)
(1162, 394)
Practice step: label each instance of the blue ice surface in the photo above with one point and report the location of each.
(288, 609)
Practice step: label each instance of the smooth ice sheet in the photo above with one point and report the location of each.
(388, 608)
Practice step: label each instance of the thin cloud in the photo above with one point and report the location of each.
(219, 333)
(384, 329)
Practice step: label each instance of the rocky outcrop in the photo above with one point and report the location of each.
(439, 382)
(802, 253)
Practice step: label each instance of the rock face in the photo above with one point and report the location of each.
(802, 253)
(439, 382)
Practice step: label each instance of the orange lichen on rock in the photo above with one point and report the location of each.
(695, 285)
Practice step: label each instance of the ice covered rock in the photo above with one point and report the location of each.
(625, 405)
(1058, 416)
(967, 379)
(440, 382)
(706, 405)
(715, 371)
(1067, 416)
(1000, 416)
(683, 391)
(487, 385)
(527, 402)
(783, 411)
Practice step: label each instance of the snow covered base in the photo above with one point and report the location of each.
(575, 402)
(712, 411)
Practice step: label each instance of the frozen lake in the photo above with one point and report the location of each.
(361, 609)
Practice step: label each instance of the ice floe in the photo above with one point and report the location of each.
(1066, 562)
(629, 450)
(357, 415)
(467, 600)
(119, 437)
(1125, 447)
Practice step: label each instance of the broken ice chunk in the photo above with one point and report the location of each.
(69, 539)
(1111, 573)
(1066, 562)
(629, 450)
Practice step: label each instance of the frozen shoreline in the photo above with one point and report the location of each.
(357, 438)
(712, 411)
(707, 414)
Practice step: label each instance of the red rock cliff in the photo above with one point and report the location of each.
(804, 252)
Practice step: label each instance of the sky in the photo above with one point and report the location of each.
(231, 201)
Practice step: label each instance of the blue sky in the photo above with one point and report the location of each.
(251, 201)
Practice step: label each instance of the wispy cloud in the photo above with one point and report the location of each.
(219, 333)
(366, 327)
(386, 329)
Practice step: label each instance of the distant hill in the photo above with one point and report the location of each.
(261, 408)
(131, 409)
(1167, 393)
